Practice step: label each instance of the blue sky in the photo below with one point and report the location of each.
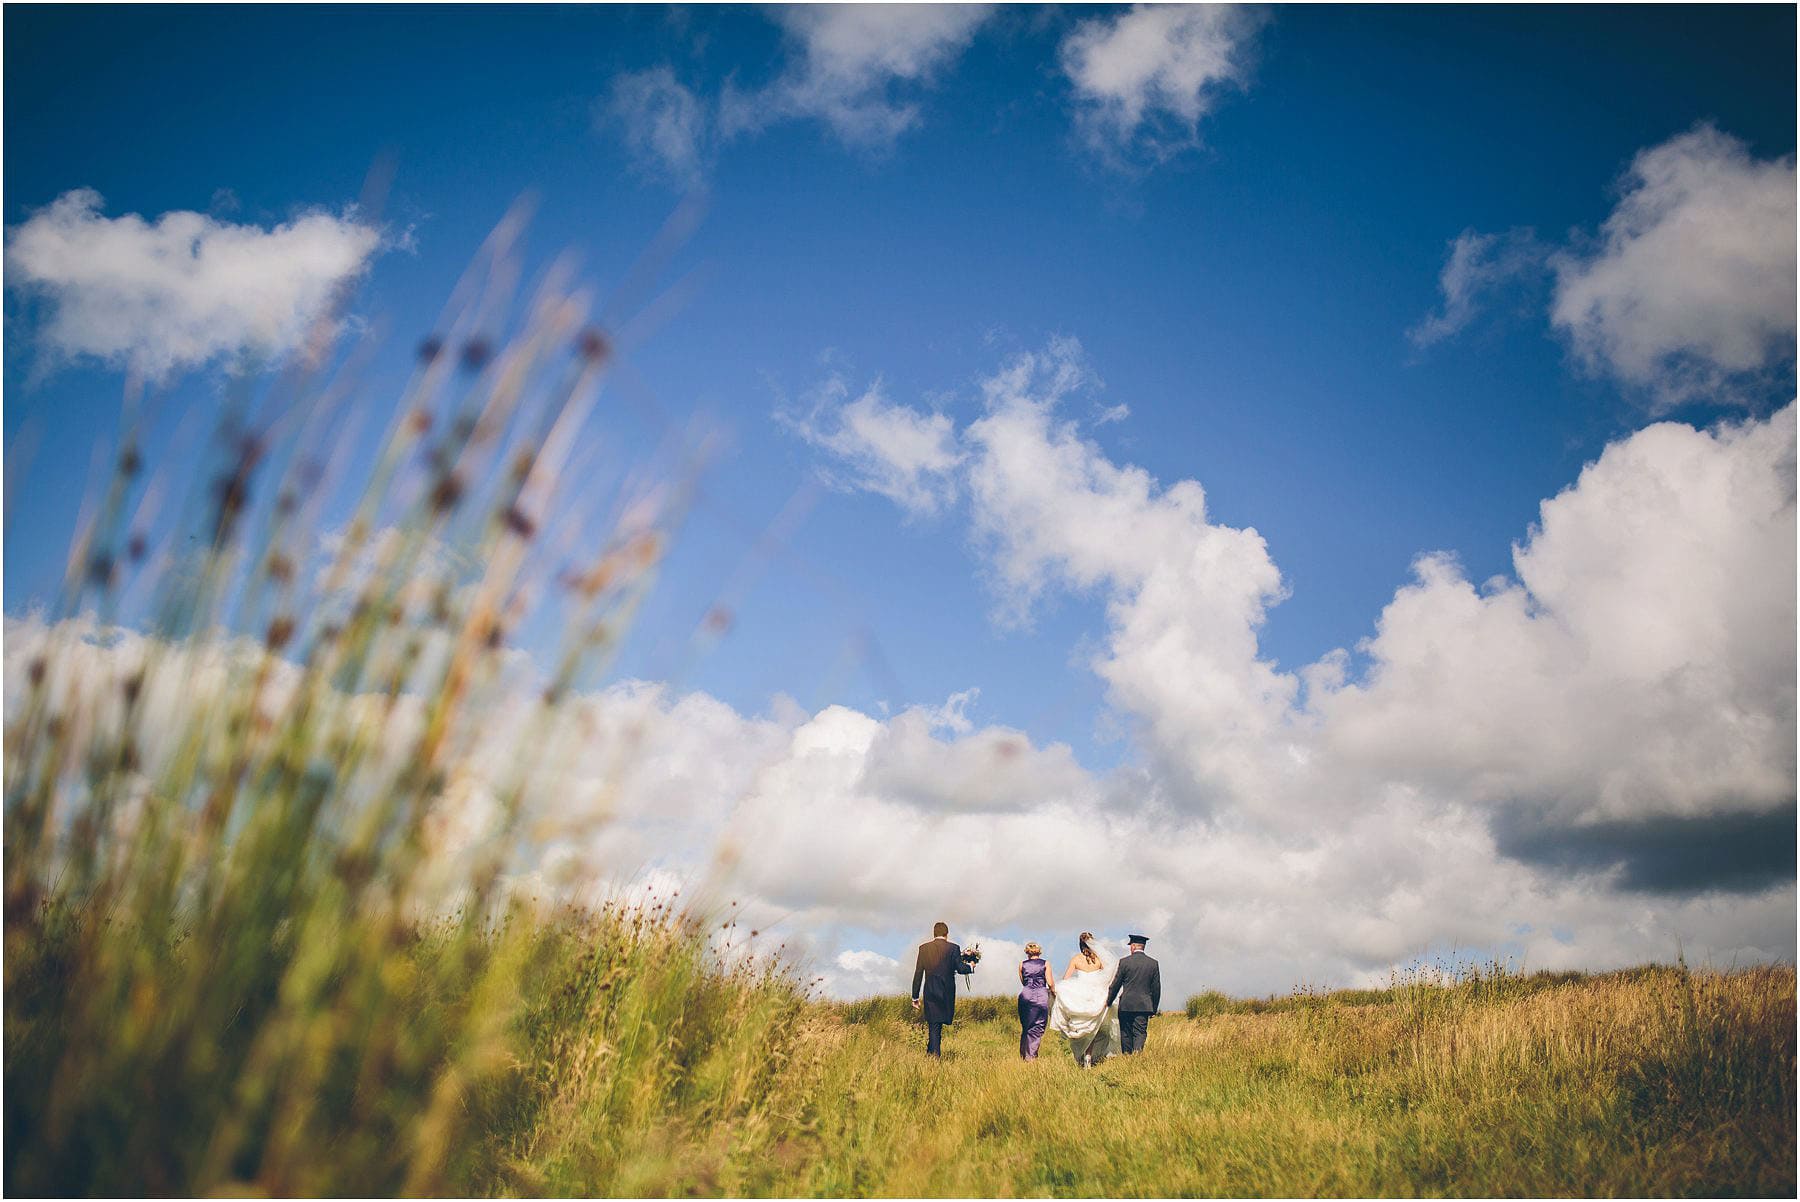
(1248, 248)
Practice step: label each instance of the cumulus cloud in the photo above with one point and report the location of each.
(666, 128)
(185, 289)
(854, 64)
(1144, 79)
(1634, 682)
(1227, 904)
(1614, 720)
(1478, 266)
(1690, 285)
(1638, 667)
(1184, 595)
(875, 445)
(862, 972)
(1587, 762)
(993, 769)
(1687, 291)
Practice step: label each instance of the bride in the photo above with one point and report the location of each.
(1079, 1012)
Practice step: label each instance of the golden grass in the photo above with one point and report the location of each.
(1659, 1082)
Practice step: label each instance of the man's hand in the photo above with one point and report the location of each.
(915, 1003)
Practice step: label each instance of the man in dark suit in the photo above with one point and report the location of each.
(939, 963)
(1137, 983)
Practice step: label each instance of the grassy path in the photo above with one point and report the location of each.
(1569, 1091)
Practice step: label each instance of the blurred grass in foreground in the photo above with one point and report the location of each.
(269, 778)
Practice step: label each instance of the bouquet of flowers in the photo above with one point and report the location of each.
(971, 956)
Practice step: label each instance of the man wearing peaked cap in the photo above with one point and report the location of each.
(1137, 983)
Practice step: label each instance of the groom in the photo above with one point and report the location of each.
(939, 962)
(1137, 983)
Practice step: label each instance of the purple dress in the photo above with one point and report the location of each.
(1034, 1007)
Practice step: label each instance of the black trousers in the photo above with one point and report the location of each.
(1134, 1028)
(934, 1038)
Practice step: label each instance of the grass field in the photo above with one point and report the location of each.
(1653, 1082)
(630, 1063)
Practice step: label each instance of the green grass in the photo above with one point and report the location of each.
(1658, 1082)
(564, 1052)
(245, 950)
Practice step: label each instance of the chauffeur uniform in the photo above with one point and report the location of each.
(1137, 983)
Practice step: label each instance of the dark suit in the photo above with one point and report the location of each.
(1137, 983)
(939, 963)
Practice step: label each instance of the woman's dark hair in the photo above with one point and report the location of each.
(1093, 957)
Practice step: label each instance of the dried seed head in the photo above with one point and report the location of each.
(233, 494)
(36, 671)
(132, 686)
(137, 546)
(430, 349)
(520, 523)
(130, 461)
(476, 353)
(593, 345)
(447, 493)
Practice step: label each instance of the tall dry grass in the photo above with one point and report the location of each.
(259, 829)
(1654, 1082)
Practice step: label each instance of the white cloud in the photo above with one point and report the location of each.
(1386, 878)
(994, 768)
(1586, 752)
(185, 289)
(878, 446)
(1146, 77)
(854, 63)
(1184, 596)
(1641, 665)
(1690, 285)
(666, 128)
(1590, 761)
(863, 972)
(1478, 265)
(1513, 768)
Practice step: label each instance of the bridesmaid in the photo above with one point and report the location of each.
(1034, 1000)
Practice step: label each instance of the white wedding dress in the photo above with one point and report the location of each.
(1079, 1012)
